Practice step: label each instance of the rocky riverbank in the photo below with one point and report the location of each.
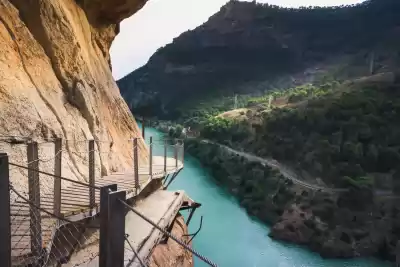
(336, 225)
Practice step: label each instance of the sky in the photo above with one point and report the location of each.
(159, 21)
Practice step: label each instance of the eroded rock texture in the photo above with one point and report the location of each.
(55, 81)
(172, 254)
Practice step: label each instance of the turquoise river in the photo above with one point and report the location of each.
(229, 237)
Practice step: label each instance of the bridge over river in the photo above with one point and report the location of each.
(50, 219)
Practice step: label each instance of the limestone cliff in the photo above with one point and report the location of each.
(55, 81)
(172, 254)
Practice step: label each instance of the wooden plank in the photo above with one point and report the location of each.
(79, 204)
(79, 189)
(162, 207)
(127, 183)
(23, 207)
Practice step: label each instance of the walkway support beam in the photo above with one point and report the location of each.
(5, 222)
(34, 197)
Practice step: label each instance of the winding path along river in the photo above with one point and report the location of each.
(230, 237)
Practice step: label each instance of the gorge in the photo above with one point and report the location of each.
(308, 87)
(233, 238)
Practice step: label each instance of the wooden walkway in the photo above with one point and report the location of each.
(75, 204)
(161, 207)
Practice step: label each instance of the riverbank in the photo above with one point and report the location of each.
(232, 238)
(336, 225)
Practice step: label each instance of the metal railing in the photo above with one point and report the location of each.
(35, 234)
(49, 214)
(114, 208)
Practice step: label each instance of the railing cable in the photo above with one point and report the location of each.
(134, 252)
(56, 176)
(49, 213)
(183, 244)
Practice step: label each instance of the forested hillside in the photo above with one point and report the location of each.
(349, 136)
(249, 48)
(342, 137)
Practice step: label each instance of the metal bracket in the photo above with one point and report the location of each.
(195, 233)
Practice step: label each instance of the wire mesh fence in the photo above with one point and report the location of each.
(50, 214)
(41, 238)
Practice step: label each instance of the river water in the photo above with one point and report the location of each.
(229, 237)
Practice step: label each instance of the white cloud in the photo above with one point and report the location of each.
(161, 20)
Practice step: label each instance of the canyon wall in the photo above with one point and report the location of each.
(56, 81)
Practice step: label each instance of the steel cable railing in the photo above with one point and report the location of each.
(63, 236)
(56, 237)
(180, 242)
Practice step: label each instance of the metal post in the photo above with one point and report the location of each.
(57, 172)
(151, 158)
(183, 152)
(191, 215)
(176, 155)
(92, 199)
(34, 197)
(5, 223)
(143, 128)
(136, 164)
(165, 157)
(104, 227)
(116, 222)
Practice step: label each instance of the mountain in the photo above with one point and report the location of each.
(249, 48)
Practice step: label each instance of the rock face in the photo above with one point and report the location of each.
(172, 254)
(55, 81)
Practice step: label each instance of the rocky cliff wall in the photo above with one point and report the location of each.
(56, 81)
(172, 254)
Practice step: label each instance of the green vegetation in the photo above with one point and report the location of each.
(175, 131)
(261, 190)
(196, 113)
(294, 94)
(225, 130)
(353, 135)
(344, 136)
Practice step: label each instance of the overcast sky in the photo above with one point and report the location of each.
(159, 21)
